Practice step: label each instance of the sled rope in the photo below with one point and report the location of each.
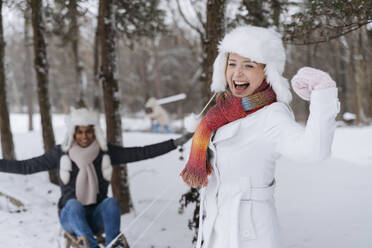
(165, 191)
(152, 222)
(148, 208)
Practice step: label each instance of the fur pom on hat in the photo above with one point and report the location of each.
(191, 122)
(261, 45)
(83, 117)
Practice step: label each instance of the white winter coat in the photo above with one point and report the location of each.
(238, 204)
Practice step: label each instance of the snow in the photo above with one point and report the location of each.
(319, 205)
(348, 116)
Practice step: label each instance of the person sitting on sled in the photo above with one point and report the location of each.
(247, 131)
(84, 163)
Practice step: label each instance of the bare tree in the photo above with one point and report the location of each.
(27, 67)
(369, 56)
(75, 44)
(41, 69)
(214, 32)
(358, 75)
(109, 80)
(96, 64)
(210, 32)
(324, 20)
(155, 51)
(6, 134)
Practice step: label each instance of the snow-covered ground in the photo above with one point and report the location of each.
(319, 205)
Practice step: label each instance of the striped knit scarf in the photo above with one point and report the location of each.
(227, 109)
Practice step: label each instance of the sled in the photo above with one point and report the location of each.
(79, 242)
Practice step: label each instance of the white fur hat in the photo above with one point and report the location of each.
(151, 103)
(83, 117)
(261, 45)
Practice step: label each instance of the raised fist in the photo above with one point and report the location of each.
(308, 79)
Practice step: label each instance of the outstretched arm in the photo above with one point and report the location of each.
(45, 162)
(120, 154)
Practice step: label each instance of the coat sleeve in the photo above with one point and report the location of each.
(45, 162)
(312, 142)
(121, 155)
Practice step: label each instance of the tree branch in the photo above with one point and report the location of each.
(201, 33)
(350, 28)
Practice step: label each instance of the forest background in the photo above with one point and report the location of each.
(114, 55)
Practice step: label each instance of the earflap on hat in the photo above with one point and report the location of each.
(69, 137)
(219, 68)
(106, 167)
(65, 168)
(279, 84)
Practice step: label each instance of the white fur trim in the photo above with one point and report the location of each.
(261, 45)
(83, 117)
(106, 167)
(151, 103)
(191, 122)
(279, 84)
(218, 77)
(65, 169)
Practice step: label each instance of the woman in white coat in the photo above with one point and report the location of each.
(247, 130)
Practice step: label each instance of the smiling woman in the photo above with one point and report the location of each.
(84, 135)
(244, 134)
(85, 162)
(243, 75)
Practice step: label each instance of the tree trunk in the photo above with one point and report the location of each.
(277, 9)
(79, 68)
(353, 87)
(96, 100)
(256, 13)
(27, 69)
(111, 94)
(333, 48)
(369, 58)
(157, 83)
(361, 78)
(350, 86)
(214, 32)
(6, 133)
(143, 73)
(41, 69)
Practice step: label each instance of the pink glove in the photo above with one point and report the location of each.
(308, 79)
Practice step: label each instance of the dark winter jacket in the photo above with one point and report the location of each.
(51, 160)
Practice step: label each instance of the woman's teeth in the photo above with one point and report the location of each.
(240, 85)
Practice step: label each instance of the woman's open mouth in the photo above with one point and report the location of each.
(241, 85)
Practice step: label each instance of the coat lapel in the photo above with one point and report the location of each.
(227, 131)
